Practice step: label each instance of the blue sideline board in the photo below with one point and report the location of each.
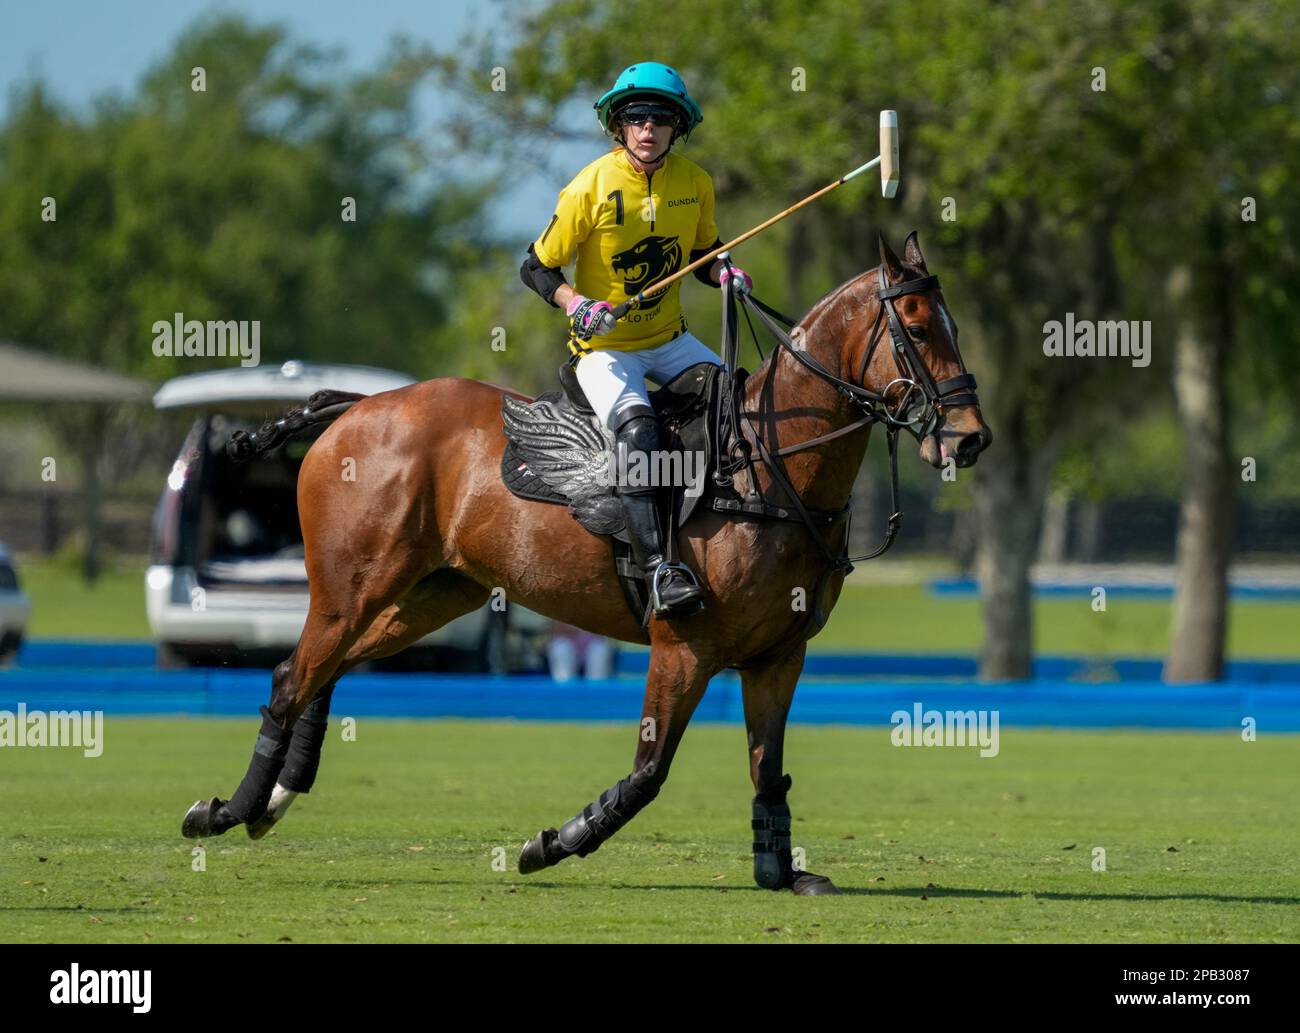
(1043, 702)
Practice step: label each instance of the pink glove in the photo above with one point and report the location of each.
(590, 318)
(743, 284)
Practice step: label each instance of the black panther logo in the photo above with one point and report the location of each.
(648, 261)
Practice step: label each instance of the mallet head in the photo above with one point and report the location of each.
(889, 153)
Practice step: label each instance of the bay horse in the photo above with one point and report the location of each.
(425, 529)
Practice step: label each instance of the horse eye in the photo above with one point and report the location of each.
(916, 333)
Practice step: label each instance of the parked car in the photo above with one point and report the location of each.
(15, 607)
(227, 583)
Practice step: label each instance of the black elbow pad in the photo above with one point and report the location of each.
(540, 278)
(702, 273)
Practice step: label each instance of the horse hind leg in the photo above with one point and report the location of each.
(437, 600)
(296, 682)
(336, 620)
(302, 759)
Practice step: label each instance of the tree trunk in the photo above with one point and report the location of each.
(1008, 508)
(49, 521)
(1089, 543)
(84, 432)
(1056, 528)
(1200, 614)
(92, 446)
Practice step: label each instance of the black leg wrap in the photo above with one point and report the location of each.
(303, 761)
(773, 864)
(583, 833)
(254, 792)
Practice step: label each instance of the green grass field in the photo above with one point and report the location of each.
(868, 618)
(397, 841)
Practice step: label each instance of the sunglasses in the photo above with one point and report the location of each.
(640, 114)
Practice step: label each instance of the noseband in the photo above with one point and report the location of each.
(920, 416)
(958, 390)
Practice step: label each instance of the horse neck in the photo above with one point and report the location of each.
(786, 403)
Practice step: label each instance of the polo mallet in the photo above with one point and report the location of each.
(887, 159)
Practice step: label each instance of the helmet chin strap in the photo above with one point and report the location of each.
(671, 140)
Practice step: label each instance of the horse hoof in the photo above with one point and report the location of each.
(806, 884)
(533, 857)
(199, 819)
(259, 828)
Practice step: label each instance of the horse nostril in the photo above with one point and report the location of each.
(971, 444)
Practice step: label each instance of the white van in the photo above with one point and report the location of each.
(226, 582)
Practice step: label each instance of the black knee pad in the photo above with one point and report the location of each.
(303, 760)
(640, 434)
(254, 792)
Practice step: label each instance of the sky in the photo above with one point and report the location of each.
(82, 48)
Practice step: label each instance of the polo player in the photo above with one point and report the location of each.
(629, 216)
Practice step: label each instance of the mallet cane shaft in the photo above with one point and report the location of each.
(887, 159)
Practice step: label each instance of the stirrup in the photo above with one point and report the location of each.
(656, 602)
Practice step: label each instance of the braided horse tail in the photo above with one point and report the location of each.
(321, 408)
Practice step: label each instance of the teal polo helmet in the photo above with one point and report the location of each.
(649, 79)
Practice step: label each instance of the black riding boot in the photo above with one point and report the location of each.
(679, 596)
(673, 591)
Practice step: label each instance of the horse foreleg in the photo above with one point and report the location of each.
(768, 691)
(676, 683)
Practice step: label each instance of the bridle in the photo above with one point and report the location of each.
(919, 410)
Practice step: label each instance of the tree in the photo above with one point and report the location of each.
(1059, 131)
(233, 201)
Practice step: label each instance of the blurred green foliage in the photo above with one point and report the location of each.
(1067, 196)
(227, 203)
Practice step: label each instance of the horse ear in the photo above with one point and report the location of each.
(892, 263)
(912, 251)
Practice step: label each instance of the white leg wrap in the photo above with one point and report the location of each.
(281, 798)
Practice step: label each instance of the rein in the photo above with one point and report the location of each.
(920, 387)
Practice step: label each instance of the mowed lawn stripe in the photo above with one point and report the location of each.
(400, 837)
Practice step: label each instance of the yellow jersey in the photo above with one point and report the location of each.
(630, 229)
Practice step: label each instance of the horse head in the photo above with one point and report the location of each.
(910, 359)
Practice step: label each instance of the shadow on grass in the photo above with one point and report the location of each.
(933, 892)
(916, 892)
(84, 909)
